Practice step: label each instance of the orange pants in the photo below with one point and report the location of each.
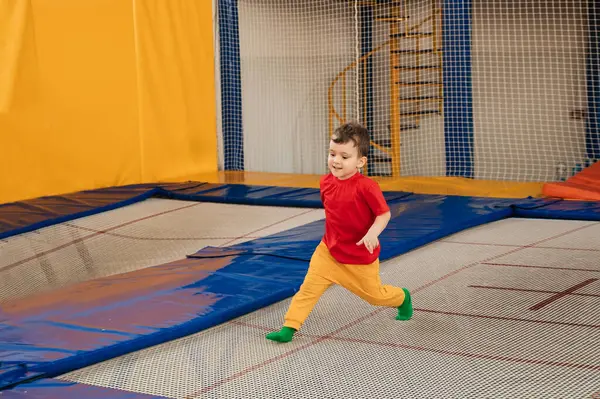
(324, 270)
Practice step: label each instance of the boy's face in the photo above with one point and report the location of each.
(343, 160)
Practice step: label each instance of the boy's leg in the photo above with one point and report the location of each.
(314, 285)
(305, 300)
(364, 281)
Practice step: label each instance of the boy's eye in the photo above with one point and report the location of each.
(345, 157)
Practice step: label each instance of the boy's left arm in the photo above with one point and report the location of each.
(371, 239)
(377, 203)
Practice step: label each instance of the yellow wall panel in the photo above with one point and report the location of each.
(177, 92)
(14, 31)
(73, 122)
(103, 93)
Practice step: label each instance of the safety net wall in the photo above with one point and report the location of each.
(474, 88)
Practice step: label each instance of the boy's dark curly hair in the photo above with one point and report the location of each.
(355, 132)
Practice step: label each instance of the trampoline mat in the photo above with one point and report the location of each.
(509, 309)
(145, 234)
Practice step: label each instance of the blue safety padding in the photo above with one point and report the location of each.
(261, 195)
(250, 195)
(76, 326)
(51, 388)
(52, 333)
(559, 209)
(25, 216)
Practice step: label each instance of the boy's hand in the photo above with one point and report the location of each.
(370, 241)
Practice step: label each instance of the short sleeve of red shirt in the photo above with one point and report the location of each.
(373, 196)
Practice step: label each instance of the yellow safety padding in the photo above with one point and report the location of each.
(419, 185)
(463, 186)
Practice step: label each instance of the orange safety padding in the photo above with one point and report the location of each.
(585, 185)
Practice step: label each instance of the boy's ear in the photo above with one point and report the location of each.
(362, 161)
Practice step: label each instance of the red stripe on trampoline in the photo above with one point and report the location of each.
(480, 316)
(562, 294)
(519, 246)
(474, 355)
(529, 290)
(540, 267)
(153, 238)
(489, 244)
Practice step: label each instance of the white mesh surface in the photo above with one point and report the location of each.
(146, 234)
(463, 341)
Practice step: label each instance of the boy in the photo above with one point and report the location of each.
(348, 255)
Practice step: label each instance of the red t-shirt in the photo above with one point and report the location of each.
(351, 207)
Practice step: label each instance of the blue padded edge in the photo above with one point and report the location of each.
(259, 195)
(50, 221)
(559, 209)
(251, 195)
(116, 340)
(51, 388)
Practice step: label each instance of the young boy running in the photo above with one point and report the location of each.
(348, 255)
